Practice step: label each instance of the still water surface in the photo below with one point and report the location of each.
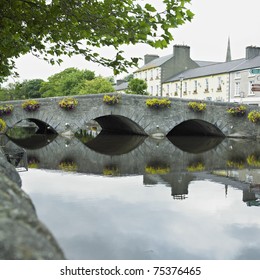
(154, 200)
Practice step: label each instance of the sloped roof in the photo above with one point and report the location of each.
(161, 60)
(213, 69)
(205, 63)
(155, 63)
(249, 63)
(122, 86)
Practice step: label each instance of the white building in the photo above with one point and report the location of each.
(177, 75)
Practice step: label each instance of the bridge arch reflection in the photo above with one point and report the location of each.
(196, 127)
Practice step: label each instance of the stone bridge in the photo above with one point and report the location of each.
(132, 116)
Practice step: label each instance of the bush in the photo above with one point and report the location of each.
(197, 106)
(254, 116)
(111, 99)
(68, 103)
(158, 103)
(238, 111)
(31, 105)
(2, 125)
(6, 109)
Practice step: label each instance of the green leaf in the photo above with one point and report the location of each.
(150, 8)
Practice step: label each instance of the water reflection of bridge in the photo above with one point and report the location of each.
(159, 161)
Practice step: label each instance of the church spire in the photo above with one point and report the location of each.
(228, 56)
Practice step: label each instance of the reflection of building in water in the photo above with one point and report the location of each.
(251, 198)
(179, 183)
(251, 195)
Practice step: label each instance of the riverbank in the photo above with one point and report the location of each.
(22, 235)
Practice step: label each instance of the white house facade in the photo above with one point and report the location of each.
(230, 81)
(177, 75)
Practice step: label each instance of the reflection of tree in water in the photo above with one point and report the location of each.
(85, 135)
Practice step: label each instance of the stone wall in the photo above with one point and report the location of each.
(22, 235)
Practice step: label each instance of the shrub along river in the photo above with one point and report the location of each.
(131, 197)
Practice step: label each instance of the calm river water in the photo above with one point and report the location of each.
(126, 197)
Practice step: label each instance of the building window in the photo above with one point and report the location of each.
(145, 74)
(151, 90)
(219, 84)
(168, 90)
(195, 86)
(157, 90)
(151, 73)
(250, 92)
(237, 89)
(157, 73)
(185, 88)
(206, 85)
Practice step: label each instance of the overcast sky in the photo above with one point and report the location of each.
(207, 36)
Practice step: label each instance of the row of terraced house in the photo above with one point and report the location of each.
(177, 75)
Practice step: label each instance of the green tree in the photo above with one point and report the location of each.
(137, 86)
(50, 29)
(97, 85)
(129, 77)
(67, 82)
(29, 89)
(10, 92)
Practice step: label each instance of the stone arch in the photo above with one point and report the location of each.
(118, 124)
(196, 127)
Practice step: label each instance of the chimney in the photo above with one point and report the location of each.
(252, 52)
(150, 57)
(181, 52)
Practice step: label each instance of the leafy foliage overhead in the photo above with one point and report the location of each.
(50, 29)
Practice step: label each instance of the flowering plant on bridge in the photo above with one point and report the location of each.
(158, 103)
(254, 116)
(68, 103)
(111, 99)
(6, 109)
(2, 125)
(31, 105)
(238, 111)
(197, 106)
